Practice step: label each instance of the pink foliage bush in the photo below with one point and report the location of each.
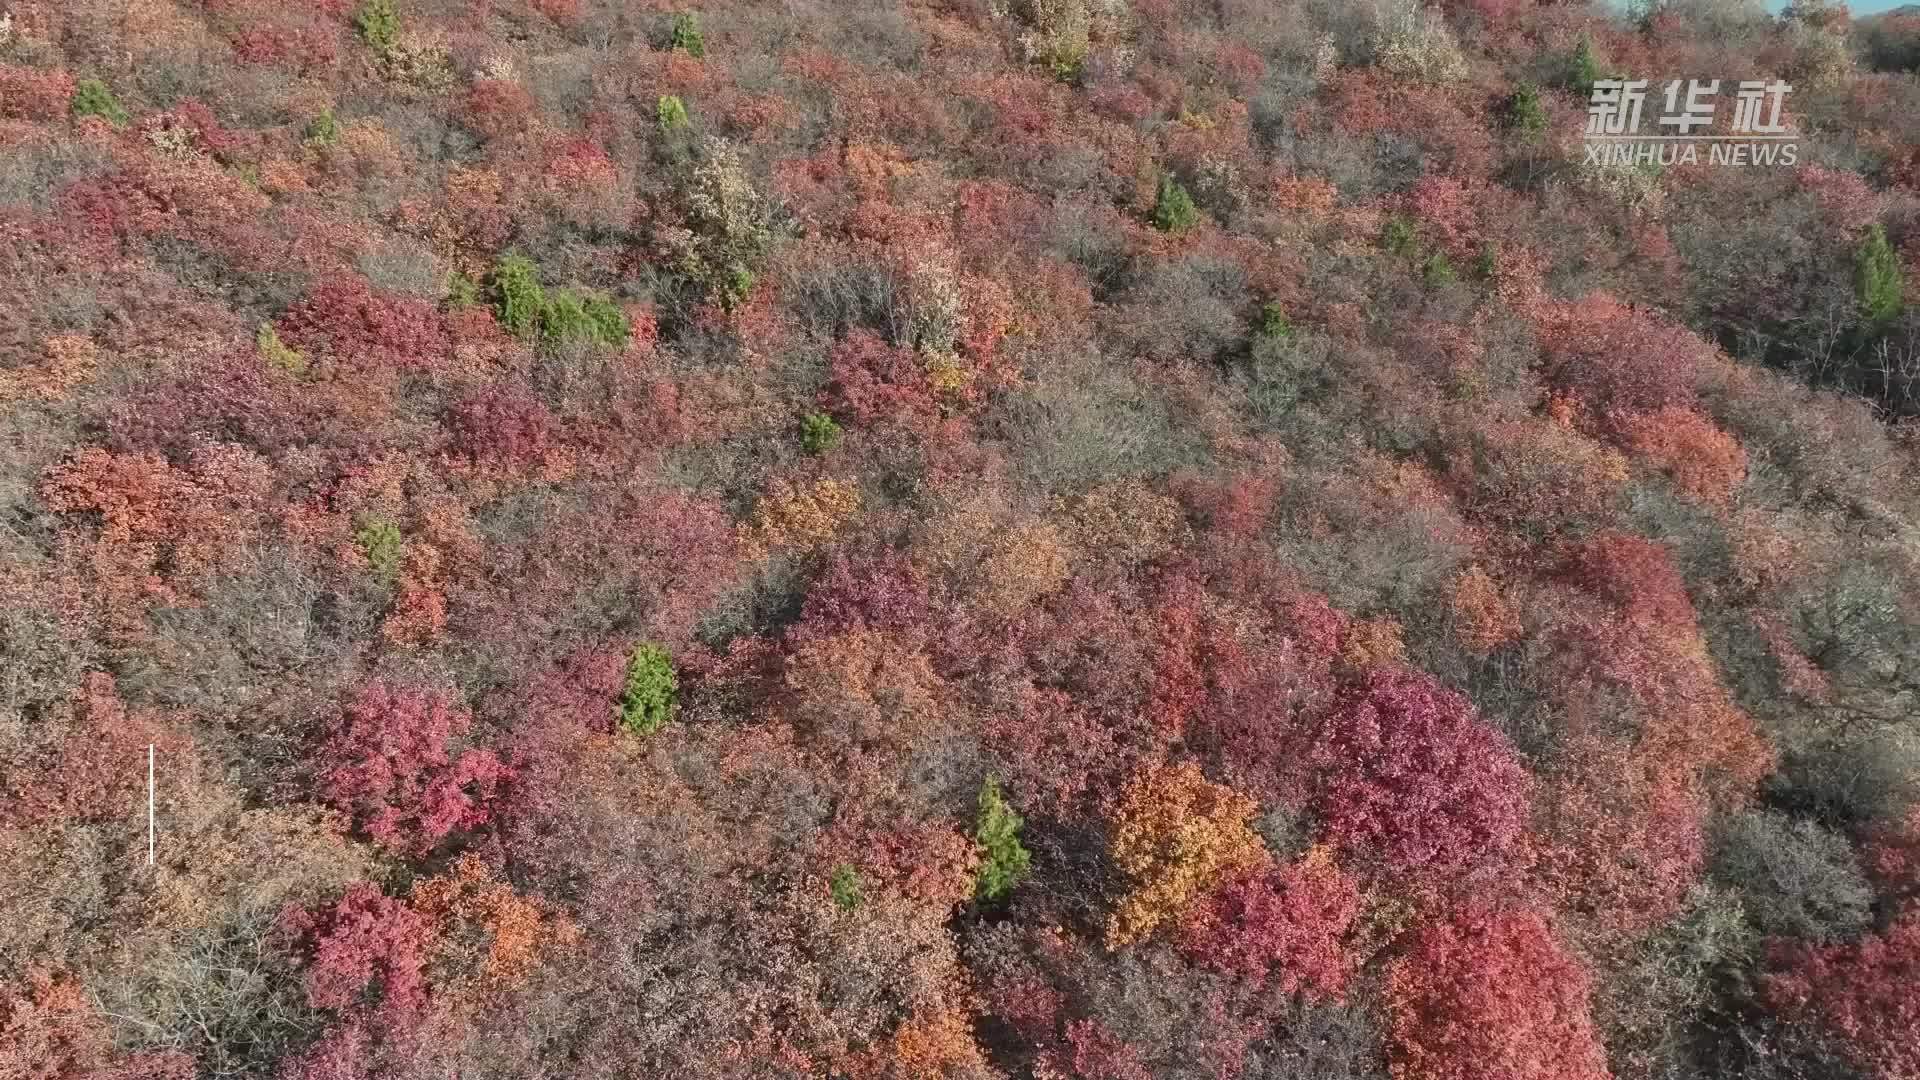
(388, 765)
(364, 949)
(1866, 992)
(1404, 770)
(1489, 994)
(1282, 929)
(346, 319)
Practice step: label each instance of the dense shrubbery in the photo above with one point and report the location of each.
(1069, 539)
(557, 317)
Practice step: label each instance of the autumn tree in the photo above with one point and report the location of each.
(1862, 992)
(1404, 770)
(366, 950)
(1284, 927)
(1487, 992)
(388, 762)
(1175, 834)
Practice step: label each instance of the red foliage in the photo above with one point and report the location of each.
(560, 11)
(499, 107)
(1845, 197)
(577, 696)
(91, 774)
(1615, 359)
(192, 114)
(344, 318)
(1098, 1054)
(1634, 574)
(1867, 993)
(1235, 507)
(1687, 722)
(1892, 856)
(1076, 715)
(1404, 770)
(1537, 471)
(387, 764)
(418, 615)
(877, 590)
(233, 395)
(505, 425)
(1489, 994)
(1703, 461)
(162, 529)
(1283, 928)
(366, 950)
(964, 272)
(190, 199)
(1241, 691)
(1365, 100)
(345, 1052)
(1623, 837)
(1490, 10)
(304, 48)
(580, 164)
(672, 555)
(98, 213)
(1451, 212)
(1054, 752)
(873, 381)
(34, 94)
(50, 1031)
(1178, 683)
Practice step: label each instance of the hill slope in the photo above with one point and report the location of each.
(1090, 539)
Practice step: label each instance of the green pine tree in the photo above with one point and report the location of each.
(384, 547)
(819, 433)
(518, 299)
(323, 130)
(277, 352)
(1173, 208)
(569, 316)
(845, 887)
(1877, 279)
(1583, 68)
(378, 24)
(647, 700)
(1525, 112)
(1274, 323)
(1397, 235)
(671, 112)
(686, 35)
(1004, 861)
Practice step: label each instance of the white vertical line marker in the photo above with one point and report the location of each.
(149, 804)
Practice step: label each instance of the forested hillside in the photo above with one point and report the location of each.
(969, 539)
